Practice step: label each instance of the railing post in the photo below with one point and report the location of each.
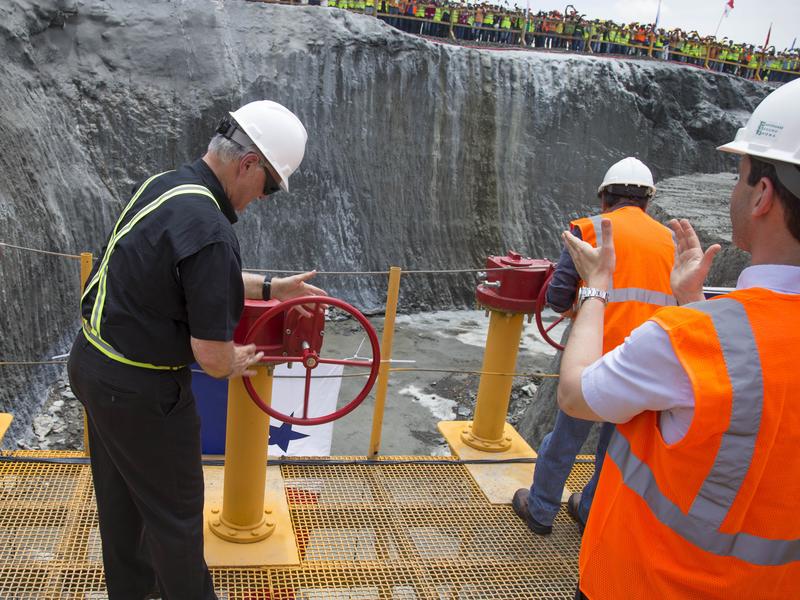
(386, 356)
(86, 270)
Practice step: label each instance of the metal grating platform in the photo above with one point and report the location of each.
(397, 532)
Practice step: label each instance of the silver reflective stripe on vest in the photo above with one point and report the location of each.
(718, 492)
(739, 441)
(640, 295)
(749, 548)
(598, 231)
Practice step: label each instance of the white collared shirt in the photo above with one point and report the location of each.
(644, 373)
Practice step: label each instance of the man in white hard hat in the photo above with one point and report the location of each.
(698, 494)
(168, 291)
(641, 286)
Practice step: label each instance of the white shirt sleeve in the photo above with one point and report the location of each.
(643, 373)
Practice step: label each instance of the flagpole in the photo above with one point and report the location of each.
(658, 15)
(722, 16)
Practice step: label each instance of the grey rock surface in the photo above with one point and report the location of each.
(420, 155)
(704, 199)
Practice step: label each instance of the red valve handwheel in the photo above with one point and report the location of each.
(541, 302)
(310, 359)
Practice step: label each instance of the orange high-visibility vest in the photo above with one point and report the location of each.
(640, 286)
(715, 514)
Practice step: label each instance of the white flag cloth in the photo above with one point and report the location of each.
(286, 439)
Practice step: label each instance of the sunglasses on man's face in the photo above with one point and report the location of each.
(270, 185)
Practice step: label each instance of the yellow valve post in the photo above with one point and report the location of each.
(243, 517)
(386, 355)
(86, 270)
(487, 431)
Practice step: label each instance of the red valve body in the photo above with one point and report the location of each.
(519, 287)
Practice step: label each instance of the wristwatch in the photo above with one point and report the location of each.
(266, 291)
(587, 292)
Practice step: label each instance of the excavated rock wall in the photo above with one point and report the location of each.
(421, 155)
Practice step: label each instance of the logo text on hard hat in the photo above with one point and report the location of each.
(770, 130)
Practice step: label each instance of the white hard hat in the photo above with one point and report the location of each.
(773, 134)
(628, 171)
(277, 133)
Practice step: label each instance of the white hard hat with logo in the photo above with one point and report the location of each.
(277, 133)
(628, 171)
(773, 134)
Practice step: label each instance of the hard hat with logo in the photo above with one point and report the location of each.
(629, 171)
(773, 134)
(277, 133)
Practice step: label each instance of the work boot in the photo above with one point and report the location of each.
(520, 505)
(572, 509)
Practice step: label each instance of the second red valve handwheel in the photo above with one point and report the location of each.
(302, 344)
(541, 304)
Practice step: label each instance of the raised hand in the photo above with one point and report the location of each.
(286, 288)
(691, 264)
(594, 265)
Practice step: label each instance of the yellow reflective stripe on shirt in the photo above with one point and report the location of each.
(91, 329)
(104, 347)
(132, 201)
(100, 300)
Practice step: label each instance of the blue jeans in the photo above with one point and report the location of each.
(556, 456)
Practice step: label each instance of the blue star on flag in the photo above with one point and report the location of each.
(283, 435)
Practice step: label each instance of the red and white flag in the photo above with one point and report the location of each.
(728, 8)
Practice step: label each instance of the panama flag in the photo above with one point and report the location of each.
(728, 7)
(288, 387)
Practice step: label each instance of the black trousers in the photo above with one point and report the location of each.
(144, 438)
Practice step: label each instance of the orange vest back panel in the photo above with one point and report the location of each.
(645, 253)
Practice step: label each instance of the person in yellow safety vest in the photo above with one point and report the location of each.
(658, 46)
(332, 3)
(693, 499)
(505, 26)
(625, 40)
(613, 38)
(488, 21)
(733, 56)
(436, 27)
(559, 30)
(721, 57)
(169, 291)
(369, 7)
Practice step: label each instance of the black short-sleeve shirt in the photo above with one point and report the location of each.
(176, 274)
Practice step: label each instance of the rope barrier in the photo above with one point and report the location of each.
(32, 362)
(403, 271)
(40, 251)
(295, 271)
(342, 376)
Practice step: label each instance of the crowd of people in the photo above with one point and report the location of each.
(490, 23)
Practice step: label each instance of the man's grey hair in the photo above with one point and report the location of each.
(227, 150)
